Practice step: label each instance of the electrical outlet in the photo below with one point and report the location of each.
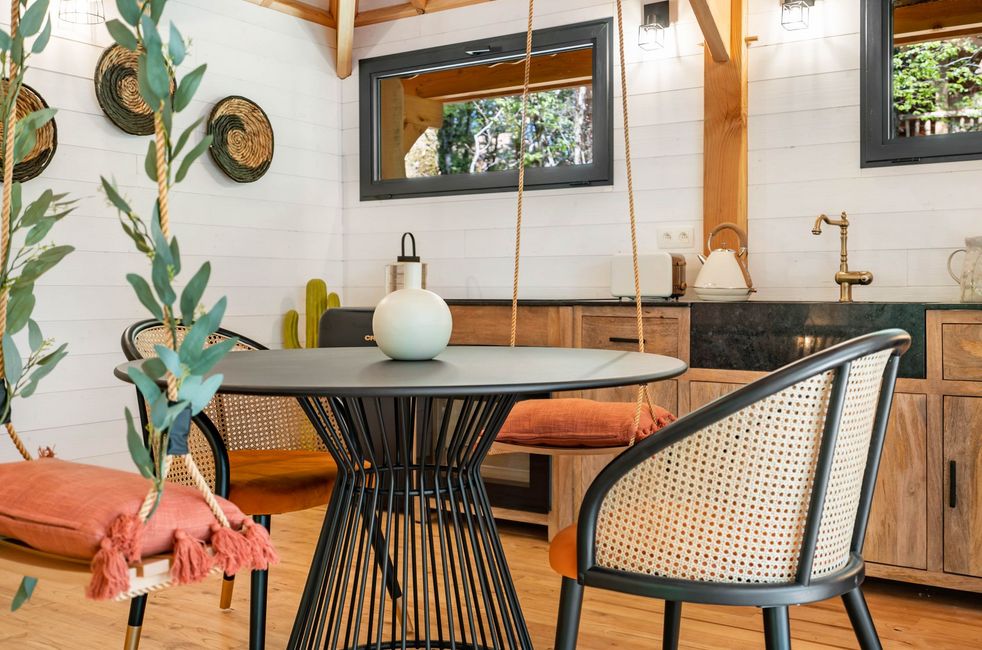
(684, 238)
(675, 238)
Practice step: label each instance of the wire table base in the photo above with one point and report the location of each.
(409, 556)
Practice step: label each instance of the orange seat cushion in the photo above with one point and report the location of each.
(562, 552)
(274, 481)
(570, 422)
(67, 508)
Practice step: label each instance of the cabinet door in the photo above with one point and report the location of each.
(897, 532)
(491, 325)
(704, 392)
(963, 496)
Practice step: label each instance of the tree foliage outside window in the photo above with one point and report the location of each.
(482, 135)
(938, 86)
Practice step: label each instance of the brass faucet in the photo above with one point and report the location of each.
(844, 278)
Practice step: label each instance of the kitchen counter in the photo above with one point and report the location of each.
(764, 335)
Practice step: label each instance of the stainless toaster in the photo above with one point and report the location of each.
(662, 275)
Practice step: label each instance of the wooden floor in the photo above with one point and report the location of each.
(59, 617)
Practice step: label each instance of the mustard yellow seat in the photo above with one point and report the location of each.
(274, 481)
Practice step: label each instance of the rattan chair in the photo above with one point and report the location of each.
(262, 453)
(760, 498)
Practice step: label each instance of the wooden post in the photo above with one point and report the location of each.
(344, 16)
(725, 134)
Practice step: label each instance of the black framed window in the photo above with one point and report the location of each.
(446, 120)
(921, 81)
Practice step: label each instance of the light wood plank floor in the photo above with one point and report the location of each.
(59, 617)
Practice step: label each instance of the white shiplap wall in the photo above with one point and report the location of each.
(265, 239)
(804, 160)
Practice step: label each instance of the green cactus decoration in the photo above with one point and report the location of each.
(318, 302)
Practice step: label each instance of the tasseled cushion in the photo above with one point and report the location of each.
(570, 422)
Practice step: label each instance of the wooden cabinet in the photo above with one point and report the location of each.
(962, 351)
(963, 485)
(704, 392)
(491, 325)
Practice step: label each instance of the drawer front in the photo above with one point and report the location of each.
(661, 335)
(491, 325)
(962, 351)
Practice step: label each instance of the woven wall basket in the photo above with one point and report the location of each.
(118, 92)
(38, 158)
(243, 139)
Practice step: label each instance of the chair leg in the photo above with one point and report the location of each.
(257, 599)
(777, 628)
(673, 621)
(134, 626)
(228, 586)
(862, 622)
(570, 604)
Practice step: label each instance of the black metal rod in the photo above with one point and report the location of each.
(258, 597)
(952, 484)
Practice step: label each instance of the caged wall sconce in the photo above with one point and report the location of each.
(657, 18)
(795, 14)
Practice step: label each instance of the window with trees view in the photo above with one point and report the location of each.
(922, 69)
(449, 120)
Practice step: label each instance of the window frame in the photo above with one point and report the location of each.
(879, 148)
(596, 33)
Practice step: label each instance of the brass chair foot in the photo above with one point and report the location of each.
(132, 641)
(228, 585)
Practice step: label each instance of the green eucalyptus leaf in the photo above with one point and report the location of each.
(38, 208)
(138, 450)
(34, 336)
(154, 368)
(43, 263)
(143, 292)
(212, 355)
(12, 363)
(188, 87)
(199, 149)
(41, 41)
(4, 41)
(44, 368)
(50, 360)
(183, 139)
(114, 197)
(23, 144)
(200, 391)
(170, 359)
(39, 231)
(24, 592)
(15, 200)
(150, 162)
(147, 386)
(17, 49)
(160, 246)
(130, 11)
(151, 37)
(122, 35)
(19, 307)
(160, 275)
(158, 413)
(143, 83)
(191, 296)
(175, 256)
(156, 9)
(33, 18)
(175, 46)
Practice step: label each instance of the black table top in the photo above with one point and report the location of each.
(459, 370)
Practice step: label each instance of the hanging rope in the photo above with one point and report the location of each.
(639, 312)
(8, 182)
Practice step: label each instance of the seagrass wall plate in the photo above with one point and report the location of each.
(118, 91)
(44, 148)
(242, 145)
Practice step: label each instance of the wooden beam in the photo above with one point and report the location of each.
(940, 15)
(344, 14)
(419, 6)
(714, 17)
(298, 9)
(408, 10)
(725, 134)
(403, 118)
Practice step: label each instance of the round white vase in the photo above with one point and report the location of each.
(412, 324)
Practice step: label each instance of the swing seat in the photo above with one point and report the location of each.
(62, 519)
(576, 426)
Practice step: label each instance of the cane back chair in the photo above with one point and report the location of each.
(262, 453)
(760, 498)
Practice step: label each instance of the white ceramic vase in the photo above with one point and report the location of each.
(412, 324)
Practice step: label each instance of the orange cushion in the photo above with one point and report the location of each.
(66, 508)
(569, 422)
(274, 481)
(562, 552)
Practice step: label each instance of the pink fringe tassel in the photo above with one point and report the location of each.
(232, 550)
(263, 553)
(110, 575)
(191, 560)
(126, 535)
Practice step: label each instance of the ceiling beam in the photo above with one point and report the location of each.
(409, 9)
(714, 20)
(298, 9)
(344, 15)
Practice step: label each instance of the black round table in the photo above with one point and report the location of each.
(408, 556)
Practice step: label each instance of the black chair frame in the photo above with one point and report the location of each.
(773, 598)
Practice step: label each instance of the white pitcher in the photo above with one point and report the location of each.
(971, 276)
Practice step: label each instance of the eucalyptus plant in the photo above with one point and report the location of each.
(26, 252)
(186, 361)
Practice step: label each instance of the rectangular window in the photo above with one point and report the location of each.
(447, 120)
(922, 81)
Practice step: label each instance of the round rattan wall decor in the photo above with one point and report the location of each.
(118, 92)
(243, 139)
(38, 158)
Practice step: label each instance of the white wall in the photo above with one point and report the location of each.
(265, 239)
(804, 160)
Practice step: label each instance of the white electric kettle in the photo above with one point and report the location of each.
(724, 274)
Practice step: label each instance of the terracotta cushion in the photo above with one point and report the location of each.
(569, 422)
(66, 508)
(274, 481)
(562, 552)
